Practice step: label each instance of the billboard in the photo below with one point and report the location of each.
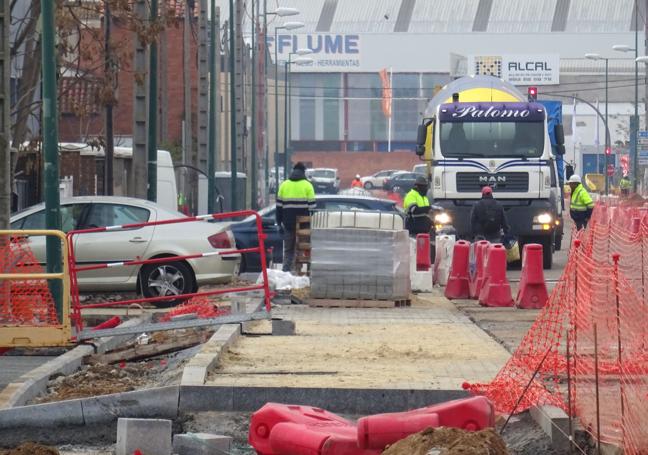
(518, 69)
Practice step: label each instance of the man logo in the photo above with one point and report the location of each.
(492, 180)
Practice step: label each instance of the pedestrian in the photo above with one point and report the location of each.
(296, 197)
(581, 204)
(487, 219)
(417, 207)
(625, 185)
(357, 183)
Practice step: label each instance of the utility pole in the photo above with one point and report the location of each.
(152, 113)
(5, 125)
(50, 150)
(139, 176)
(253, 149)
(214, 117)
(187, 156)
(634, 125)
(238, 47)
(286, 101)
(109, 151)
(233, 157)
(163, 115)
(203, 88)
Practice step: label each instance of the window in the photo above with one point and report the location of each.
(111, 215)
(70, 215)
(17, 224)
(343, 205)
(323, 173)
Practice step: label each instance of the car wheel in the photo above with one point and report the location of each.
(368, 186)
(167, 279)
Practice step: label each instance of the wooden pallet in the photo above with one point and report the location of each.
(302, 246)
(350, 303)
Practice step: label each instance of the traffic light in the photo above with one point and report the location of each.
(533, 94)
(608, 151)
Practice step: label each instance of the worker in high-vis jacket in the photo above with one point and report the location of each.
(296, 197)
(417, 207)
(624, 185)
(581, 204)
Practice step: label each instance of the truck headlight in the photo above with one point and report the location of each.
(442, 218)
(543, 218)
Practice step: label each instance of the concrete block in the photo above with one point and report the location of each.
(43, 415)
(237, 307)
(282, 327)
(421, 281)
(150, 436)
(194, 375)
(157, 402)
(550, 418)
(201, 444)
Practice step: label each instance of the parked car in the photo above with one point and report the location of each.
(377, 180)
(324, 180)
(420, 169)
(245, 232)
(153, 280)
(401, 182)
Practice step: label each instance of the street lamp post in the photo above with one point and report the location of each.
(607, 144)
(286, 26)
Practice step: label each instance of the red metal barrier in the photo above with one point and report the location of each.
(74, 269)
(423, 257)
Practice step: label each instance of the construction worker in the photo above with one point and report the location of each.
(625, 186)
(296, 197)
(356, 183)
(581, 204)
(417, 207)
(487, 219)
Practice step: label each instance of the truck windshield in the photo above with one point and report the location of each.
(492, 139)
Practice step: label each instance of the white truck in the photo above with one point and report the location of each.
(480, 131)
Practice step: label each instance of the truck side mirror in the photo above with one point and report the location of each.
(559, 132)
(421, 137)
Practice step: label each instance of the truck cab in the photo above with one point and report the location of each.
(504, 145)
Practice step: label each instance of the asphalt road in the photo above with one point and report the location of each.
(12, 367)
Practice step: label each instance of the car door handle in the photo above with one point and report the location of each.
(137, 240)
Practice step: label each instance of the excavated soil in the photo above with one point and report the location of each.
(450, 441)
(30, 448)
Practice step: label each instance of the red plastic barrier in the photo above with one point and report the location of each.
(458, 286)
(423, 257)
(321, 425)
(473, 414)
(532, 292)
(477, 281)
(109, 324)
(496, 291)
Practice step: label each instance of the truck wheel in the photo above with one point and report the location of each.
(547, 253)
(558, 243)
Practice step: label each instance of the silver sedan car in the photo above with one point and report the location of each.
(152, 280)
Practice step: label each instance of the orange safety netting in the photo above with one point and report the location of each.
(202, 307)
(595, 321)
(24, 302)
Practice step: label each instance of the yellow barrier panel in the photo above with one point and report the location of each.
(23, 334)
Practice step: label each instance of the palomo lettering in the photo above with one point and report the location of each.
(491, 112)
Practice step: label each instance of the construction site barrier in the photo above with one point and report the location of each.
(75, 269)
(586, 352)
(496, 290)
(532, 292)
(28, 316)
(444, 246)
(477, 277)
(458, 286)
(423, 259)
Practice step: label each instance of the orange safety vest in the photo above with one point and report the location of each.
(356, 184)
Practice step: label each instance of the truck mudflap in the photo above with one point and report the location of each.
(519, 213)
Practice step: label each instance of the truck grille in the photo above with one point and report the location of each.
(502, 182)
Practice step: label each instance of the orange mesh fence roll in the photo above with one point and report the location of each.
(596, 315)
(24, 302)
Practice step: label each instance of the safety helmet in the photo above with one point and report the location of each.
(575, 178)
(420, 180)
(357, 176)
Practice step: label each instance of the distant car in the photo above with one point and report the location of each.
(420, 169)
(401, 182)
(324, 180)
(154, 280)
(377, 180)
(245, 231)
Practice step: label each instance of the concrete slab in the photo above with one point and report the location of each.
(282, 327)
(197, 369)
(150, 436)
(43, 415)
(201, 444)
(159, 402)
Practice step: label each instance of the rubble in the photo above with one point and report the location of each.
(30, 448)
(450, 441)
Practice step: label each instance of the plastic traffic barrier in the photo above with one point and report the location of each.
(320, 424)
(477, 280)
(316, 439)
(473, 414)
(423, 261)
(459, 279)
(532, 292)
(496, 290)
(444, 245)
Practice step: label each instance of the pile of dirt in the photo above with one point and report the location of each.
(450, 441)
(30, 448)
(95, 380)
